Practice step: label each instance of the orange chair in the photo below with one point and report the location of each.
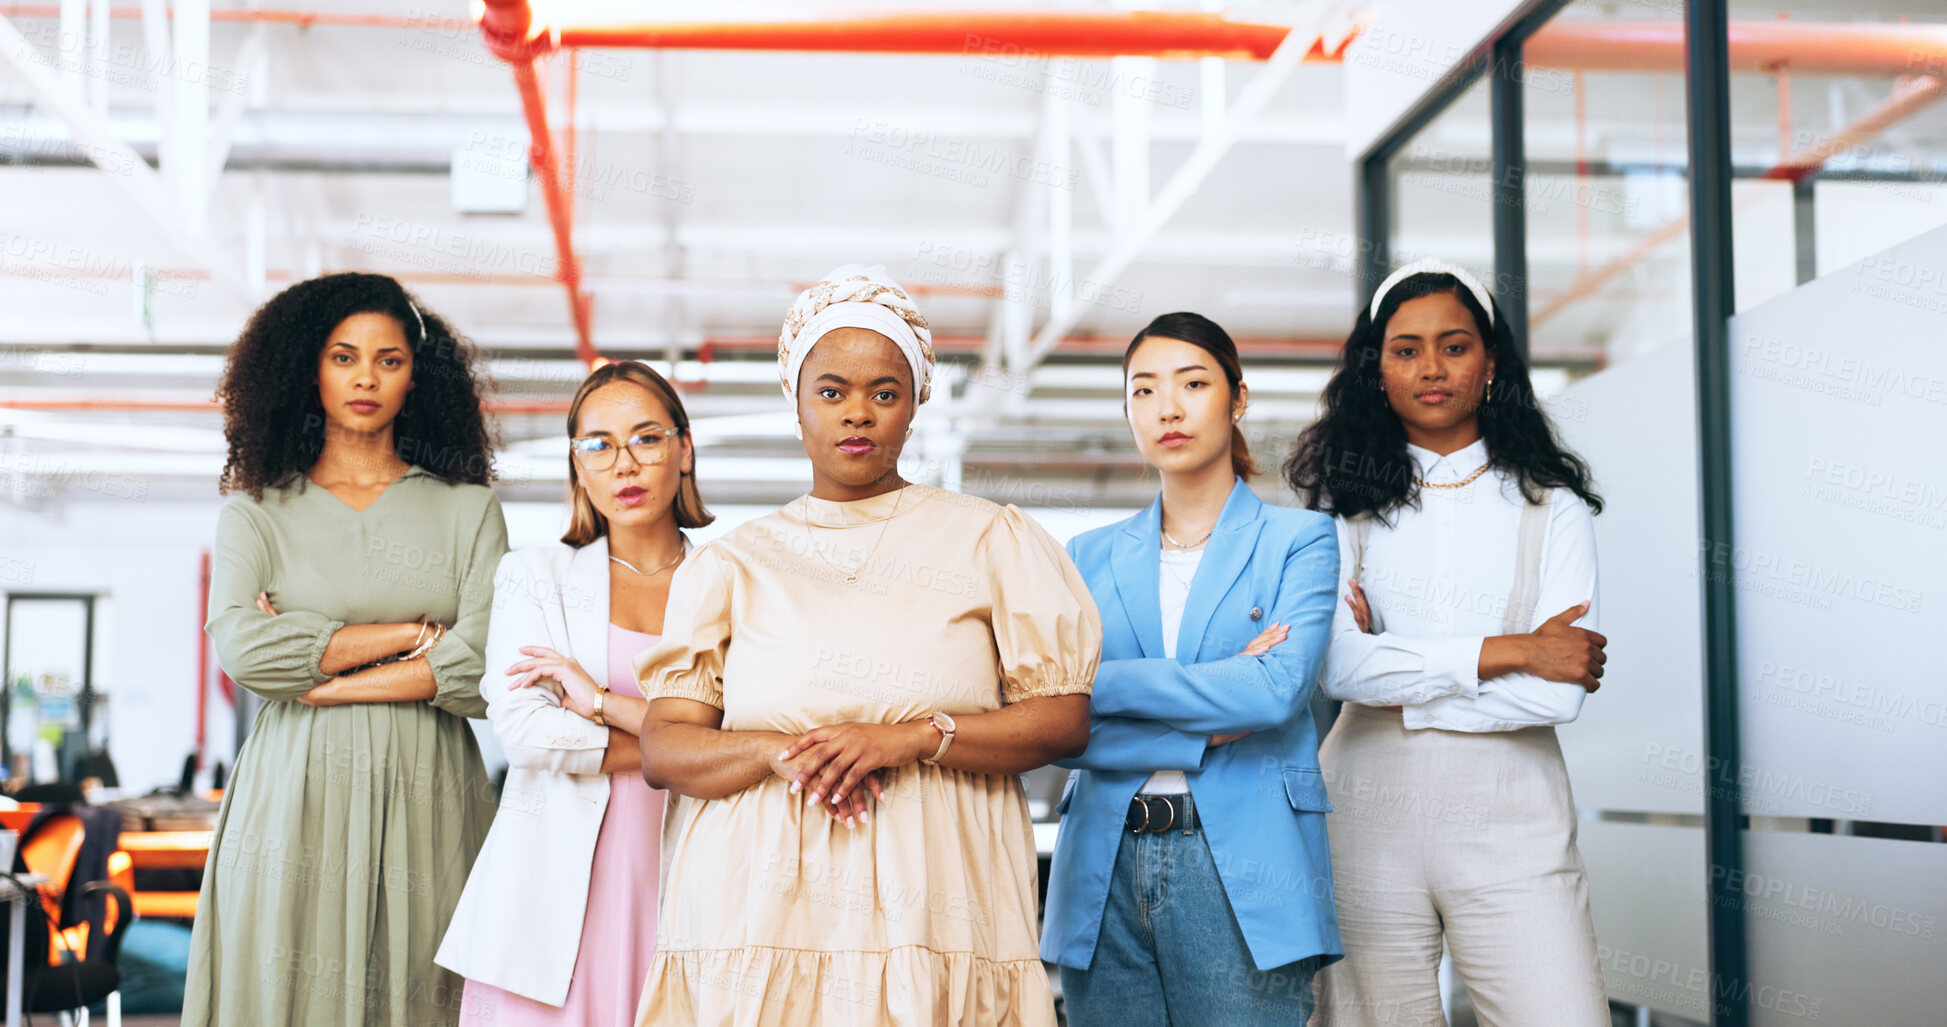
(51, 853)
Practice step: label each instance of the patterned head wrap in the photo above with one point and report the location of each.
(855, 296)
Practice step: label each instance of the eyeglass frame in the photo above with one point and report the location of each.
(667, 432)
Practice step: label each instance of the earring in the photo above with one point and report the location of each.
(798, 426)
(1487, 396)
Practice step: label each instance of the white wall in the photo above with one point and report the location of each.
(144, 557)
(1405, 54)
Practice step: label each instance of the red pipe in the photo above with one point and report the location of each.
(1909, 96)
(1017, 34)
(1814, 48)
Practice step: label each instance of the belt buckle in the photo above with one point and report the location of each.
(1145, 802)
(1169, 804)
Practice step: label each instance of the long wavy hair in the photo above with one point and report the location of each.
(273, 420)
(1353, 459)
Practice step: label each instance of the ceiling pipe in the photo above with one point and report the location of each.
(301, 19)
(513, 33)
(1908, 97)
(1757, 46)
(1016, 33)
(509, 29)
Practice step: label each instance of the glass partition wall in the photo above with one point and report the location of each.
(1650, 187)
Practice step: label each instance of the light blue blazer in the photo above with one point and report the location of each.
(1260, 798)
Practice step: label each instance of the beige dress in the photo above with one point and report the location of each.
(773, 913)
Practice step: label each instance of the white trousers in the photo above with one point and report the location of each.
(1467, 836)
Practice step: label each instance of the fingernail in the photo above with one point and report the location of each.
(865, 815)
(785, 755)
(796, 788)
(849, 824)
(812, 799)
(835, 797)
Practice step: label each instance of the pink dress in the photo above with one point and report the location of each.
(618, 931)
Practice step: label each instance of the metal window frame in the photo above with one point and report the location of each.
(1710, 171)
(85, 699)
(1707, 88)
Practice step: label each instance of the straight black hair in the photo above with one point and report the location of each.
(1204, 334)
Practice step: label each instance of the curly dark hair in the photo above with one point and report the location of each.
(274, 422)
(1353, 459)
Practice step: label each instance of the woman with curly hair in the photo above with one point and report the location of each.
(350, 588)
(1467, 556)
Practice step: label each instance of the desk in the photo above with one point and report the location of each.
(166, 850)
(17, 902)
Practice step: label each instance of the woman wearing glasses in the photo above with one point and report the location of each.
(558, 922)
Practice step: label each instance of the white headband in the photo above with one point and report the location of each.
(856, 296)
(422, 321)
(1433, 266)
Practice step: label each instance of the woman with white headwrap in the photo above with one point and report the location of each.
(845, 694)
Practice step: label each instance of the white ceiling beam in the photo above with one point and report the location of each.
(98, 56)
(1181, 185)
(186, 167)
(1129, 142)
(127, 171)
(434, 135)
(250, 54)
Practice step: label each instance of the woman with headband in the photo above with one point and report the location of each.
(350, 587)
(845, 695)
(1467, 632)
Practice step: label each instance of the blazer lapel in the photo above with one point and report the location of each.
(1136, 562)
(584, 605)
(1229, 551)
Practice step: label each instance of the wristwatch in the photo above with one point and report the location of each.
(944, 724)
(600, 695)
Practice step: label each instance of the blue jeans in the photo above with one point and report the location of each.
(1170, 951)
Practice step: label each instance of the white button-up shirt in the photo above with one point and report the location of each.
(1438, 581)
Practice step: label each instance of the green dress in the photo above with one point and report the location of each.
(347, 831)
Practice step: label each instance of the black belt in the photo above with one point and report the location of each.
(1154, 814)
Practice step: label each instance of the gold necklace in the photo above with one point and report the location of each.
(1206, 537)
(1469, 480)
(852, 576)
(650, 574)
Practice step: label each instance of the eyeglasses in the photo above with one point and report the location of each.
(649, 446)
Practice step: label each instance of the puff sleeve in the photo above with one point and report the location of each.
(1046, 627)
(688, 662)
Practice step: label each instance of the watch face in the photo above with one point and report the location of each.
(945, 721)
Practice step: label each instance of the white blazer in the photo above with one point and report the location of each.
(518, 924)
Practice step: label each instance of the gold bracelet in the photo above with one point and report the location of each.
(596, 713)
(438, 633)
(416, 639)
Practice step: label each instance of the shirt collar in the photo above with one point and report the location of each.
(1457, 464)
